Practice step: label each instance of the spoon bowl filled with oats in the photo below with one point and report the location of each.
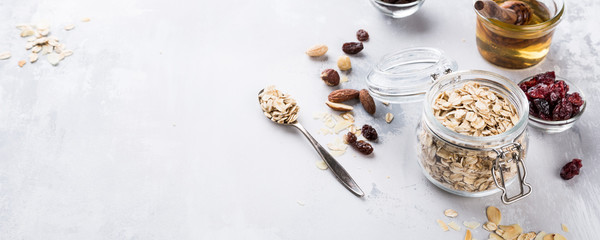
(282, 109)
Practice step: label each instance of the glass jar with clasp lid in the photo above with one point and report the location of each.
(473, 165)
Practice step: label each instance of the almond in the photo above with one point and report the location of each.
(342, 95)
(493, 214)
(339, 106)
(367, 101)
(317, 50)
(510, 231)
(330, 77)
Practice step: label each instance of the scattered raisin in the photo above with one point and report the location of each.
(571, 169)
(350, 138)
(549, 99)
(369, 132)
(352, 47)
(362, 35)
(363, 147)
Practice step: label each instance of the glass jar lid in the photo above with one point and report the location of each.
(406, 75)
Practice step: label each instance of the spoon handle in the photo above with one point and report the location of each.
(337, 169)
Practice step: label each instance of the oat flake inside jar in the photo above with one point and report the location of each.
(472, 137)
(471, 144)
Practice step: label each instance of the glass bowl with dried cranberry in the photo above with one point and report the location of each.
(555, 104)
(398, 8)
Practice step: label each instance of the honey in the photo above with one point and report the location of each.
(519, 46)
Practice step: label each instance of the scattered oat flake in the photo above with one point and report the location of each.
(319, 115)
(321, 165)
(4, 55)
(344, 79)
(22, 63)
(337, 145)
(471, 225)
(27, 32)
(454, 226)
(450, 213)
(564, 228)
(341, 125)
(559, 237)
(389, 117)
(53, 58)
(337, 153)
(540, 235)
(33, 57)
(325, 131)
(85, 19)
(442, 225)
(468, 235)
(386, 103)
(300, 203)
(69, 27)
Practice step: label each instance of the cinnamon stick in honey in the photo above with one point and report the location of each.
(512, 12)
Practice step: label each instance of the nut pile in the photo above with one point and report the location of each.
(336, 98)
(497, 231)
(471, 110)
(278, 106)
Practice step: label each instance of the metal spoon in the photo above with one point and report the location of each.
(337, 169)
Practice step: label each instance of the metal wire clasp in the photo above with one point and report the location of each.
(435, 76)
(499, 166)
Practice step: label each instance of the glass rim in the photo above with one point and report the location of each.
(550, 23)
(398, 4)
(448, 134)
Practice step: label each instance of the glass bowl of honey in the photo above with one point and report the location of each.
(517, 46)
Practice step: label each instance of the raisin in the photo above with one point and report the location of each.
(369, 132)
(350, 138)
(362, 35)
(363, 147)
(352, 47)
(571, 169)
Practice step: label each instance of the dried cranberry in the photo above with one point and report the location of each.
(352, 47)
(530, 83)
(362, 35)
(547, 77)
(563, 110)
(369, 132)
(575, 99)
(571, 169)
(549, 98)
(363, 147)
(350, 138)
(538, 91)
